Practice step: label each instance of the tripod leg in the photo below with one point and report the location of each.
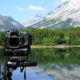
(25, 73)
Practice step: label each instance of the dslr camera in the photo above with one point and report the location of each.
(16, 43)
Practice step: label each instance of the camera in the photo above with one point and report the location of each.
(16, 43)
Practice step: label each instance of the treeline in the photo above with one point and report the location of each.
(69, 36)
(1, 38)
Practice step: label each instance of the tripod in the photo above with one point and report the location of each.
(13, 64)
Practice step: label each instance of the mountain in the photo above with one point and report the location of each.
(65, 15)
(7, 22)
(33, 20)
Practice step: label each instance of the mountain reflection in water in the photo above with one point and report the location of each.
(63, 71)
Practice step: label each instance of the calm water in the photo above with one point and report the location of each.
(53, 64)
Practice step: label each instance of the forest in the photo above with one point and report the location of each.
(66, 36)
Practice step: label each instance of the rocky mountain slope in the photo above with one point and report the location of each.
(65, 15)
(7, 22)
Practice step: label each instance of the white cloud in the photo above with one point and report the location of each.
(20, 9)
(36, 8)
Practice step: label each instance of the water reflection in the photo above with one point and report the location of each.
(32, 73)
(63, 72)
(44, 56)
(53, 64)
(66, 56)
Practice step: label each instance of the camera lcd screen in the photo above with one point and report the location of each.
(13, 42)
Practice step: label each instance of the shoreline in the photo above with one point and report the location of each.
(55, 46)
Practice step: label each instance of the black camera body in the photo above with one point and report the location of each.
(16, 43)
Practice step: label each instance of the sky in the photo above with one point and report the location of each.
(22, 10)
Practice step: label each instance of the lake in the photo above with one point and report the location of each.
(53, 64)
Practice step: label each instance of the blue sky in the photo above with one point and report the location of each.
(22, 10)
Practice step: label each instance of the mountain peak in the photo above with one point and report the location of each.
(73, 4)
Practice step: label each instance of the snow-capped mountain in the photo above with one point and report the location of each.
(6, 22)
(65, 15)
(33, 20)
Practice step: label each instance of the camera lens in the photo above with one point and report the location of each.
(13, 42)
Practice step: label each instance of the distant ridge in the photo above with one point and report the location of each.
(33, 20)
(7, 22)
